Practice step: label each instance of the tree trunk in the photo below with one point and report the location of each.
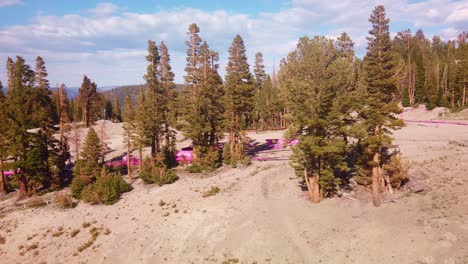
(23, 184)
(129, 169)
(153, 145)
(3, 186)
(140, 156)
(315, 186)
(309, 187)
(464, 95)
(376, 180)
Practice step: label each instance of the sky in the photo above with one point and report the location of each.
(106, 40)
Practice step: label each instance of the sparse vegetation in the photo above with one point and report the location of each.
(213, 191)
(59, 232)
(2, 240)
(36, 202)
(32, 247)
(397, 171)
(74, 232)
(64, 200)
(157, 172)
(94, 235)
(106, 189)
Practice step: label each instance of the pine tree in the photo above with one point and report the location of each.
(10, 71)
(20, 104)
(239, 98)
(312, 83)
(201, 97)
(116, 109)
(379, 113)
(129, 129)
(193, 117)
(210, 96)
(345, 46)
(170, 99)
(91, 155)
(3, 141)
(462, 73)
(155, 100)
(46, 117)
(89, 101)
(192, 77)
(140, 139)
(261, 97)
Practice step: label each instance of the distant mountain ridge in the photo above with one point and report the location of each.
(132, 90)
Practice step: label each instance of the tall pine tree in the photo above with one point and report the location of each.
(89, 101)
(379, 114)
(239, 98)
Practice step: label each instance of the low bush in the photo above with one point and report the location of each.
(36, 202)
(106, 189)
(397, 171)
(64, 200)
(207, 160)
(109, 187)
(194, 168)
(88, 195)
(213, 191)
(77, 186)
(157, 172)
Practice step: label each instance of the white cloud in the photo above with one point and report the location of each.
(104, 9)
(10, 2)
(109, 44)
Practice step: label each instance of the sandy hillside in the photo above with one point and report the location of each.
(262, 216)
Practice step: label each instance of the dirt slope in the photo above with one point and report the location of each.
(262, 216)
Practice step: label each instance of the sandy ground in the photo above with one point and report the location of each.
(262, 216)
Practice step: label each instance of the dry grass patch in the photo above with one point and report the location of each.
(213, 191)
(74, 232)
(59, 232)
(64, 200)
(94, 235)
(36, 202)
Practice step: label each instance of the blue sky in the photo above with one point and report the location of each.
(106, 40)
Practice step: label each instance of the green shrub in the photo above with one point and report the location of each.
(77, 186)
(105, 188)
(157, 172)
(88, 195)
(227, 154)
(109, 187)
(194, 168)
(238, 157)
(207, 160)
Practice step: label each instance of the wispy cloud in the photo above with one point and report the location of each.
(104, 9)
(10, 2)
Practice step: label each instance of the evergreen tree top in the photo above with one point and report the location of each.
(92, 148)
(151, 76)
(259, 69)
(41, 74)
(237, 68)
